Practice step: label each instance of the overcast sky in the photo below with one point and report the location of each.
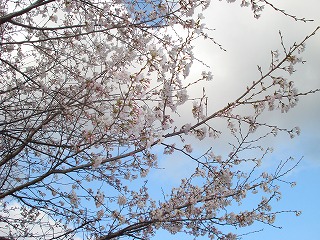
(248, 43)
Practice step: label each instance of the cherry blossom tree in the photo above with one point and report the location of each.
(91, 93)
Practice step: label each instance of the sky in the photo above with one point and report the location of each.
(248, 42)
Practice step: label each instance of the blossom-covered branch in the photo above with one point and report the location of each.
(91, 94)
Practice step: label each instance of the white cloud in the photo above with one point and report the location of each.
(31, 222)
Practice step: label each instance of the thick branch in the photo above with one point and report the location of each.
(34, 5)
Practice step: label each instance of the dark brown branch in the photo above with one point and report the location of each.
(34, 5)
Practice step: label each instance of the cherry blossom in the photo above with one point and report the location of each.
(92, 94)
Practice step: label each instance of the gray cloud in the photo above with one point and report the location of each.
(248, 42)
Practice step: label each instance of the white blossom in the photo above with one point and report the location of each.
(188, 148)
(122, 200)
